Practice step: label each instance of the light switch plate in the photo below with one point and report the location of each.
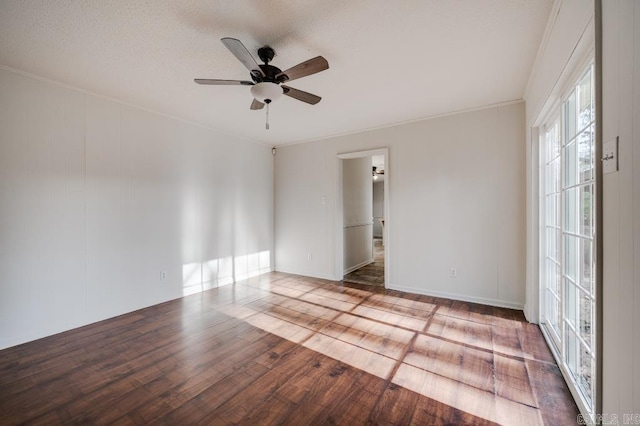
(610, 156)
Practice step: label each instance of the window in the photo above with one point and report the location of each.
(567, 236)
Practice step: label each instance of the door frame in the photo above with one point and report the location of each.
(339, 214)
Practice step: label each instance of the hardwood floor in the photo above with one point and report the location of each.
(285, 349)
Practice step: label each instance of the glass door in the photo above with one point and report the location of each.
(567, 221)
(552, 233)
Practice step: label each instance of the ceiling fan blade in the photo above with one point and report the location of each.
(256, 104)
(237, 48)
(306, 68)
(307, 97)
(223, 82)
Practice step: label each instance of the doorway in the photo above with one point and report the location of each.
(363, 218)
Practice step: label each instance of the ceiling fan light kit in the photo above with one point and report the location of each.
(266, 79)
(266, 92)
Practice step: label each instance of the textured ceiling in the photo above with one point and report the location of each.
(390, 61)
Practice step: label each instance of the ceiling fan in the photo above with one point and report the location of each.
(377, 171)
(266, 79)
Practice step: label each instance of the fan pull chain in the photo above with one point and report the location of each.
(267, 126)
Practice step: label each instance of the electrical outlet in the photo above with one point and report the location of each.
(453, 272)
(163, 276)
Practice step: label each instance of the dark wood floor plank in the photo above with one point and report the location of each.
(430, 412)
(253, 405)
(553, 397)
(206, 403)
(286, 349)
(395, 406)
(334, 379)
(533, 344)
(359, 401)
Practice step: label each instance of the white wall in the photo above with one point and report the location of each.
(357, 202)
(621, 228)
(97, 198)
(456, 199)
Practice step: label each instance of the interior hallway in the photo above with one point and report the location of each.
(373, 273)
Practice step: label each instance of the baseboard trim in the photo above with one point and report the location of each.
(460, 297)
(443, 294)
(358, 266)
(304, 274)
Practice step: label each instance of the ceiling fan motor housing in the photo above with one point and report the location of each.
(269, 72)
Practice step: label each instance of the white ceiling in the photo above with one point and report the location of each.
(390, 61)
